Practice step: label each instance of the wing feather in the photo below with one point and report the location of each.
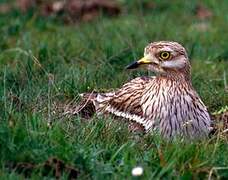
(125, 102)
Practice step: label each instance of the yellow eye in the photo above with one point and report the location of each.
(164, 55)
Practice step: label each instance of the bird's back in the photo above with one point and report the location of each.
(125, 102)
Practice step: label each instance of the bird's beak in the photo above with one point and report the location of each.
(136, 64)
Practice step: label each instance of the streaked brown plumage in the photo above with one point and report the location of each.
(166, 103)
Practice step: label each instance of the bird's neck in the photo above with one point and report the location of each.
(183, 77)
(183, 74)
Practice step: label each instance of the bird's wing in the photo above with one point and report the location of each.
(125, 102)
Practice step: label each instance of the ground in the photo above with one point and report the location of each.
(44, 64)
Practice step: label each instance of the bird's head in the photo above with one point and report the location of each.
(166, 58)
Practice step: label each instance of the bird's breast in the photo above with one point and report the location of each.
(158, 99)
(175, 108)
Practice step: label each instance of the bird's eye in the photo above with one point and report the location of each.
(164, 55)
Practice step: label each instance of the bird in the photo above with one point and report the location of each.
(165, 103)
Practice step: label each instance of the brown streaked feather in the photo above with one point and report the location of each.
(125, 102)
(127, 99)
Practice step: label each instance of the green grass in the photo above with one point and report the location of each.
(44, 62)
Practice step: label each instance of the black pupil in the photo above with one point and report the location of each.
(165, 55)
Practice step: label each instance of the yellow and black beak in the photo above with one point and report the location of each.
(136, 64)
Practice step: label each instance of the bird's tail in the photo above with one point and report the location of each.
(90, 104)
(86, 108)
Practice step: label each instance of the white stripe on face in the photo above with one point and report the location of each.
(176, 63)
